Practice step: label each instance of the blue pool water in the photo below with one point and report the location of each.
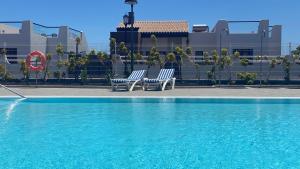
(150, 133)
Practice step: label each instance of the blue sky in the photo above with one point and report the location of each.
(99, 17)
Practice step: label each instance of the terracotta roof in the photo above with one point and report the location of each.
(160, 26)
(6, 29)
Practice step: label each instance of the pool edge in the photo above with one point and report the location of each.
(156, 97)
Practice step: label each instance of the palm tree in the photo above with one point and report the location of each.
(60, 51)
(92, 53)
(106, 61)
(77, 54)
(179, 59)
(153, 40)
(287, 68)
(272, 65)
(113, 46)
(101, 56)
(138, 56)
(154, 54)
(287, 65)
(2, 71)
(113, 52)
(72, 65)
(124, 51)
(212, 73)
(82, 62)
(78, 41)
(46, 70)
(24, 70)
(189, 53)
(236, 55)
(3, 55)
(60, 63)
(236, 58)
(206, 58)
(295, 57)
(244, 62)
(226, 62)
(197, 65)
(151, 59)
(171, 58)
(296, 52)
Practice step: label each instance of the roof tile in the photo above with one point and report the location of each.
(160, 26)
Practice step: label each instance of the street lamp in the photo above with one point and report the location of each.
(125, 22)
(131, 22)
(131, 2)
(220, 57)
(221, 36)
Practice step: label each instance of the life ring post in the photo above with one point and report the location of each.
(41, 56)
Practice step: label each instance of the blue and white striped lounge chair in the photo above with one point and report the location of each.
(135, 78)
(165, 76)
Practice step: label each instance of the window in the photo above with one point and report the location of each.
(199, 53)
(148, 53)
(163, 53)
(11, 51)
(243, 52)
(11, 55)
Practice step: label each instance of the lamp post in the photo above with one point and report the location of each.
(4, 52)
(115, 48)
(126, 22)
(220, 57)
(262, 36)
(131, 19)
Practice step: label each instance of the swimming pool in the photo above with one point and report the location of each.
(149, 133)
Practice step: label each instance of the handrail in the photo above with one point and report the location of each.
(12, 91)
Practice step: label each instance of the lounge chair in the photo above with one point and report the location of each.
(165, 76)
(135, 78)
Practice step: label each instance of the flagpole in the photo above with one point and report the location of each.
(4, 48)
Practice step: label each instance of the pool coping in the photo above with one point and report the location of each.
(151, 97)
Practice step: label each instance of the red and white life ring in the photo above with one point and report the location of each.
(41, 57)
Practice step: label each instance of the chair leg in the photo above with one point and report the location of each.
(173, 83)
(133, 85)
(128, 87)
(113, 87)
(164, 85)
(146, 86)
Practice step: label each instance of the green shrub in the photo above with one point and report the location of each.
(56, 75)
(2, 71)
(84, 76)
(244, 62)
(211, 76)
(249, 78)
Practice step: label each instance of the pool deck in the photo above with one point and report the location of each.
(179, 92)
